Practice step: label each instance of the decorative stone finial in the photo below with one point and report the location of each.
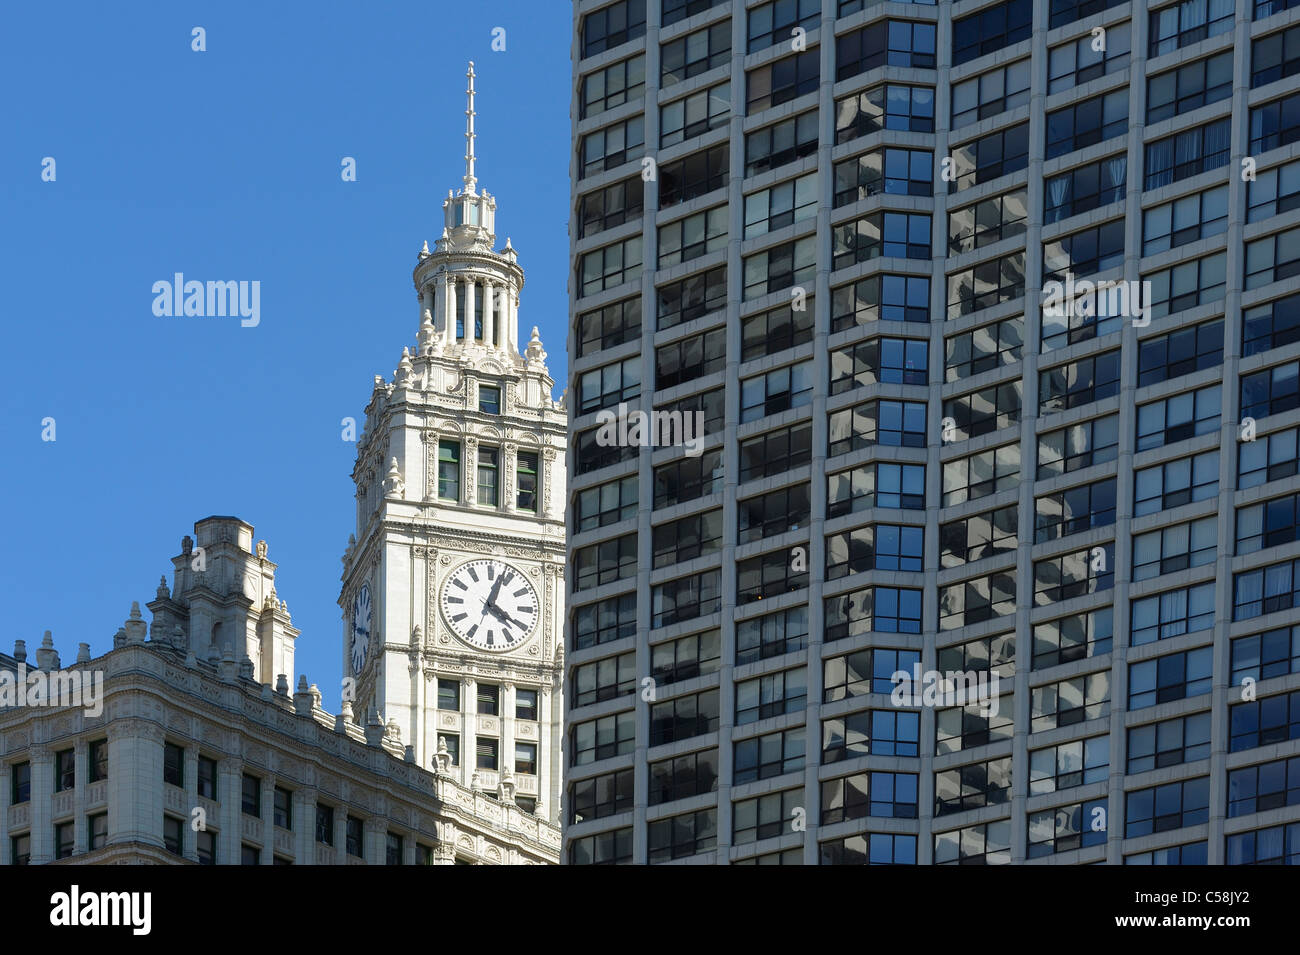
(506, 787)
(187, 545)
(227, 669)
(428, 334)
(162, 592)
(282, 685)
(405, 373)
(424, 252)
(442, 758)
(374, 728)
(534, 352)
(394, 486)
(135, 626)
(302, 699)
(47, 658)
(83, 653)
(261, 550)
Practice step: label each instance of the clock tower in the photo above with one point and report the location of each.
(453, 582)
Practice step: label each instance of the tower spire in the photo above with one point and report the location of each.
(470, 181)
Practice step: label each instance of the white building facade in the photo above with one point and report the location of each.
(453, 584)
(189, 753)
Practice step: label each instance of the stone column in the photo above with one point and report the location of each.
(374, 842)
(469, 479)
(545, 466)
(510, 477)
(449, 311)
(503, 316)
(304, 826)
(547, 806)
(431, 456)
(469, 732)
(268, 820)
(512, 320)
(6, 794)
(80, 825)
(230, 792)
(341, 834)
(135, 786)
(489, 323)
(508, 733)
(469, 310)
(190, 845)
(42, 831)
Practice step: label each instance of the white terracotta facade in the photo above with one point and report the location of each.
(174, 688)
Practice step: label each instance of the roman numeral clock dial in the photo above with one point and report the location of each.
(490, 605)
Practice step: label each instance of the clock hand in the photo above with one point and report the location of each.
(505, 617)
(496, 589)
(497, 612)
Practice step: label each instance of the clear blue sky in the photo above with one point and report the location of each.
(226, 165)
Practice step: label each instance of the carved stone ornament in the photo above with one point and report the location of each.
(430, 464)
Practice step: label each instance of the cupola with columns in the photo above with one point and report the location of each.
(469, 292)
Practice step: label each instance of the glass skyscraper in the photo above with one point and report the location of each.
(989, 313)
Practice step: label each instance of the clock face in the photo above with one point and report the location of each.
(490, 605)
(360, 628)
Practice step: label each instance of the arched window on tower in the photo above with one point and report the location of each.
(460, 310)
(478, 312)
